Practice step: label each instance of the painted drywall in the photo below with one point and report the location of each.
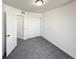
(58, 27)
(31, 25)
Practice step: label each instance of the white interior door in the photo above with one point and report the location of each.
(20, 26)
(11, 36)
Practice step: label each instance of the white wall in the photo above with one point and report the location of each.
(32, 25)
(58, 27)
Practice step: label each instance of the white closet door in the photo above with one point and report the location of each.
(33, 27)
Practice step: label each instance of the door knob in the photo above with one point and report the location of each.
(7, 35)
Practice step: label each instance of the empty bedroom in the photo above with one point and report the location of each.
(39, 29)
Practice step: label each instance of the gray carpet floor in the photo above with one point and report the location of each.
(37, 48)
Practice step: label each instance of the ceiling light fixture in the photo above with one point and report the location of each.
(39, 2)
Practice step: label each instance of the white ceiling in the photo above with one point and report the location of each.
(28, 5)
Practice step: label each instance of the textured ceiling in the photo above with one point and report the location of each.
(28, 5)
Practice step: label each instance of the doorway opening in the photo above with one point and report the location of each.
(20, 26)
